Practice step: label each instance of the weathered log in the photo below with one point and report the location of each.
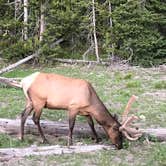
(73, 61)
(9, 153)
(12, 126)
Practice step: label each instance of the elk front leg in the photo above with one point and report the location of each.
(91, 124)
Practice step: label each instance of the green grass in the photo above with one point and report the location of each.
(114, 87)
(160, 84)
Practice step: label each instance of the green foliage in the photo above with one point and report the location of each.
(137, 33)
(135, 28)
(20, 49)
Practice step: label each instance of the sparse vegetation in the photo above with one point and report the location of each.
(113, 86)
(160, 84)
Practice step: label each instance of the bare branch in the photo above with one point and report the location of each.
(10, 82)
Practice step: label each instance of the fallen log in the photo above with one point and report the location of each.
(12, 66)
(9, 153)
(12, 126)
(77, 61)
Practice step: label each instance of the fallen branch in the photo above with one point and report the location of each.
(87, 51)
(12, 126)
(10, 81)
(10, 67)
(56, 42)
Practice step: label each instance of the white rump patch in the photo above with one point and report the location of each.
(27, 82)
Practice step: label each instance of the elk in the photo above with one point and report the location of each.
(52, 91)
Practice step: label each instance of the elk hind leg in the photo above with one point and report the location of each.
(72, 118)
(24, 115)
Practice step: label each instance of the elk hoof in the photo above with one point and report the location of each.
(21, 138)
(69, 143)
(45, 141)
(98, 140)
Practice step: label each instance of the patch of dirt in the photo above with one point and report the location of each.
(3, 104)
(158, 95)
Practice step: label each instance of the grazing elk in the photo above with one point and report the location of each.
(43, 90)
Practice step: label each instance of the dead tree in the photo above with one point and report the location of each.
(94, 31)
(42, 19)
(25, 32)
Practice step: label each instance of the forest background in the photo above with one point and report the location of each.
(132, 30)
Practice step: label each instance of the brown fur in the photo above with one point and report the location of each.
(75, 95)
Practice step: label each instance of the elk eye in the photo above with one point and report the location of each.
(116, 128)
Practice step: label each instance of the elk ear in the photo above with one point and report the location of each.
(115, 116)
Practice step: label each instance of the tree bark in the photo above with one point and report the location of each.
(10, 126)
(94, 31)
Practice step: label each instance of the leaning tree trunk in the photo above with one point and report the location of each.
(94, 31)
(12, 66)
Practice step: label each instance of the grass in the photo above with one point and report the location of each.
(160, 84)
(114, 87)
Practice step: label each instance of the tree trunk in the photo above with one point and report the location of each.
(17, 8)
(111, 24)
(10, 126)
(25, 31)
(94, 31)
(42, 20)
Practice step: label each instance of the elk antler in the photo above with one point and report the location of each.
(128, 106)
(129, 133)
